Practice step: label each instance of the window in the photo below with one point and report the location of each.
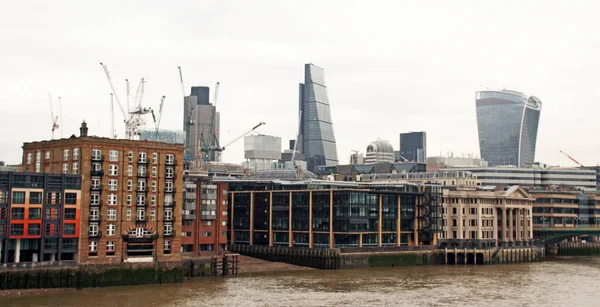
(112, 214)
(28, 158)
(224, 212)
(69, 213)
(110, 246)
(129, 199)
(154, 171)
(95, 199)
(75, 168)
(129, 170)
(93, 230)
(34, 229)
(112, 199)
(129, 185)
(93, 246)
(168, 229)
(153, 214)
(47, 155)
(112, 184)
(35, 198)
(130, 157)
(66, 155)
(141, 214)
(141, 200)
(18, 197)
(224, 223)
(94, 214)
(169, 172)
(141, 185)
(16, 229)
(96, 167)
(153, 185)
(206, 223)
(128, 214)
(142, 157)
(112, 170)
(169, 186)
(75, 153)
(69, 229)
(207, 234)
(96, 154)
(170, 159)
(153, 200)
(113, 156)
(95, 183)
(18, 213)
(167, 245)
(70, 198)
(65, 168)
(168, 200)
(168, 214)
(142, 171)
(154, 158)
(36, 213)
(110, 229)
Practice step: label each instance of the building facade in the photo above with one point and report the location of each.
(131, 193)
(203, 126)
(435, 164)
(316, 138)
(39, 217)
(485, 219)
(379, 151)
(565, 209)
(448, 178)
(261, 152)
(507, 122)
(163, 135)
(315, 213)
(413, 147)
(533, 177)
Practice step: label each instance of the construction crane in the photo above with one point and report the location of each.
(240, 136)
(54, 119)
(572, 159)
(157, 123)
(188, 117)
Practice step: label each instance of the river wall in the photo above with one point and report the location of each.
(319, 258)
(576, 249)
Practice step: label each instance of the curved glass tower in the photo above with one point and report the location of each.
(316, 140)
(507, 122)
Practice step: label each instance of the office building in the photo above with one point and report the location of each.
(507, 122)
(39, 217)
(131, 194)
(533, 177)
(379, 151)
(205, 125)
(163, 135)
(354, 172)
(446, 178)
(561, 208)
(413, 147)
(435, 164)
(315, 213)
(316, 138)
(484, 219)
(261, 152)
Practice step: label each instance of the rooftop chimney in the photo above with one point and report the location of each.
(83, 130)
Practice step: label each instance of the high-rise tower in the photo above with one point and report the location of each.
(507, 122)
(206, 123)
(316, 139)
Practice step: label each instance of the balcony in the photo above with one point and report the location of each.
(96, 187)
(189, 206)
(95, 235)
(97, 173)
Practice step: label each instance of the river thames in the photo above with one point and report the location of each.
(563, 282)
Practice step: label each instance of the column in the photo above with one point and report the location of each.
(530, 222)
(525, 229)
(310, 220)
(479, 222)
(460, 220)
(380, 227)
(271, 219)
(290, 232)
(251, 218)
(518, 225)
(495, 225)
(504, 232)
(510, 226)
(18, 251)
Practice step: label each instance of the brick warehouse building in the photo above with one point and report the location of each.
(39, 217)
(332, 214)
(130, 194)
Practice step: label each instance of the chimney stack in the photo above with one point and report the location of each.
(83, 130)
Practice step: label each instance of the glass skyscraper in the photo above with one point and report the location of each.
(316, 138)
(507, 122)
(413, 146)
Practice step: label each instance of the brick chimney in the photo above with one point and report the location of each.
(83, 130)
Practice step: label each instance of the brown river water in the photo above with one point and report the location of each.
(563, 282)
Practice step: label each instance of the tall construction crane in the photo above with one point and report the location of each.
(157, 122)
(188, 118)
(54, 119)
(572, 159)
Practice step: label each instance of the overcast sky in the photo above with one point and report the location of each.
(390, 67)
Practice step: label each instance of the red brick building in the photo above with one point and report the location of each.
(131, 193)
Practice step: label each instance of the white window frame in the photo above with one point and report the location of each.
(129, 199)
(75, 153)
(169, 159)
(129, 170)
(169, 172)
(154, 171)
(110, 246)
(130, 185)
(140, 214)
(167, 245)
(130, 156)
(155, 158)
(96, 166)
(75, 168)
(94, 213)
(93, 230)
(65, 169)
(167, 229)
(29, 157)
(111, 215)
(141, 185)
(224, 213)
(65, 155)
(93, 246)
(153, 200)
(95, 199)
(142, 171)
(168, 200)
(152, 214)
(113, 184)
(113, 155)
(111, 229)
(168, 214)
(113, 170)
(142, 157)
(128, 214)
(153, 185)
(47, 155)
(141, 200)
(96, 182)
(96, 154)
(168, 186)
(112, 199)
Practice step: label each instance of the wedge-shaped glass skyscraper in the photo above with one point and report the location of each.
(507, 122)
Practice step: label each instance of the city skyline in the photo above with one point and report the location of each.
(415, 82)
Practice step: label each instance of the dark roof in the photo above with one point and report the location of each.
(283, 174)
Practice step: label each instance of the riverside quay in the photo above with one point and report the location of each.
(329, 214)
